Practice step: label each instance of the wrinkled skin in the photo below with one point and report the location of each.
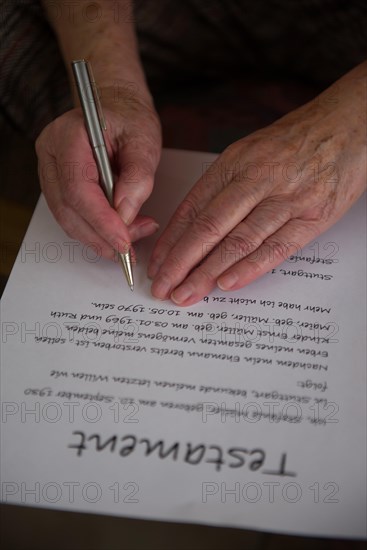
(69, 178)
(266, 196)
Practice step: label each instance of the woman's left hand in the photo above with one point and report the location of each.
(266, 196)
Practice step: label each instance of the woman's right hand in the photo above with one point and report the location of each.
(69, 177)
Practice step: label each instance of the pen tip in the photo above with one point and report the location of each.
(132, 288)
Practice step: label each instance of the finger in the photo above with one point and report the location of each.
(142, 226)
(77, 228)
(211, 183)
(84, 195)
(210, 227)
(263, 221)
(74, 182)
(274, 250)
(136, 169)
(72, 223)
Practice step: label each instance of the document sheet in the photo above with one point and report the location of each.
(247, 409)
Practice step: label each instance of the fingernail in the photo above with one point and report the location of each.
(123, 249)
(144, 230)
(181, 294)
(227, 281)
(153, 269)
(161, 287)
(126, 211)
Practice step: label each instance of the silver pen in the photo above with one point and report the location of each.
(95, 124)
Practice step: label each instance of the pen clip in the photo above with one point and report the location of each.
(101, 117)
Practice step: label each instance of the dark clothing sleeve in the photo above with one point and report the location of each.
(34, 87)
(307, 40)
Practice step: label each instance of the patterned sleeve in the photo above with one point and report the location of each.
(34, 87)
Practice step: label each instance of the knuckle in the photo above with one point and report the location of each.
(72, 196)
(145, 188)
(241, 189)
(61, 215)
(243, 244)
(205, 275)
(207, 225)
(165, 244)
(277, 250)
(254, 231)
(104, 225)
(283, 211)
(256, 267)
(187, 211)
(174, 264)
(276, 207)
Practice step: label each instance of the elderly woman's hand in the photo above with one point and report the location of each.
(266, 196)
(69, 177)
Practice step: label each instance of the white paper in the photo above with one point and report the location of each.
(252, 434)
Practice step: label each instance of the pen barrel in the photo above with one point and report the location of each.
(88, 102)
(105, 174)
(94, 123)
